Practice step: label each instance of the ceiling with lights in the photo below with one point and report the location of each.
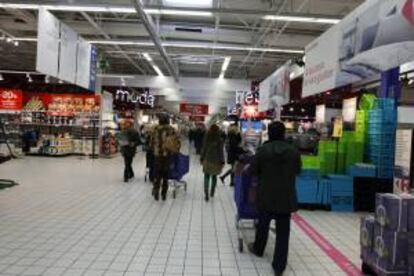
(240, 39)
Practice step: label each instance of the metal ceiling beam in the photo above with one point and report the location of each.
(149, 25)
(117, 47)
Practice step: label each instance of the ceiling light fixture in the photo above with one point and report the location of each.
(147, 57)
(29, 78)
(158, 70)
(178, 12)
(1, 77)
(224, 67)
(183, 45)
(8, 40)
(16, 43)
(302, 19)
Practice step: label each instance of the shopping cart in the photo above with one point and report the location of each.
(179, 167)
(245, 190)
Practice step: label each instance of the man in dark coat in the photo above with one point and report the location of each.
(128, 139)
(276, 165)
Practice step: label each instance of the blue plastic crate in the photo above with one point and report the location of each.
(362, 171)
(310, 173)
(385, 173)
(341, 183)
(384, 104)
(381, 116)
(342, 203)
(307, 189)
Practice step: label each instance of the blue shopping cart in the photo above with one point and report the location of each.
(245, 189)
(179, 167)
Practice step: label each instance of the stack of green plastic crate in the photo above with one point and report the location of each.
(328, 156)
(311, 162)
(353, 149)
(361, 126)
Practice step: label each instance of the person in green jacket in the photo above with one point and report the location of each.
(276, 165)
(212, 159)
(128, 140)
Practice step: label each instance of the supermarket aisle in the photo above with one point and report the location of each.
(76, 217)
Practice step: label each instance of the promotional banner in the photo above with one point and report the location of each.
(194, 109)
(349, 110)
(377, 36)
(48, 40)
(321, 114)
(403, 161)
(63, 54)
(11, 100)
(275, 90)
(68, 49)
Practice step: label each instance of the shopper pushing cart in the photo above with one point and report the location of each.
(272, 188)
(165, 143)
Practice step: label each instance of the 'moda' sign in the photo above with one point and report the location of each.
(134, 97)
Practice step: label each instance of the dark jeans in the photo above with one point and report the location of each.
(161, 171)
(128, 171)
(282, 238)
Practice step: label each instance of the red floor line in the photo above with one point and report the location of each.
(336, 256)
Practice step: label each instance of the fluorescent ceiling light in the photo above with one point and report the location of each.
(226, 64)
(147, 57)
(301, 19)
(109, 9)
(158, 70)
(185, 13)
(189, 3)
(184, 45)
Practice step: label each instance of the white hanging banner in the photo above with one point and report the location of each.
(377, 36)
(68, 49)
(275, 90)
(48, 40)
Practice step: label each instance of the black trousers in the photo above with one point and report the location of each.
(128, 171)
(280, 256)
(161, 171)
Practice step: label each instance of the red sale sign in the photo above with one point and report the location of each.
(11, 99)
(194, 109)
(197, 119)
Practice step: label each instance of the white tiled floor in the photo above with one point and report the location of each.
(75, 217)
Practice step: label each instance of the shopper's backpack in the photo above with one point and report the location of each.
(172, 144)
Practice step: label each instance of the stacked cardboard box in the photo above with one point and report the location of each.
(385, 241)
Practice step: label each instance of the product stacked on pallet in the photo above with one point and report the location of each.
(381, 137)
(385, 239)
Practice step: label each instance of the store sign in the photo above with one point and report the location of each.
(11, 100)
(275, 90)
(197, 119)
(403, 175)
(194, 109)
(144, 99)
(349, 110)
(377, 36)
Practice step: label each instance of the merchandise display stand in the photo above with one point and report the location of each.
(5, 183)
